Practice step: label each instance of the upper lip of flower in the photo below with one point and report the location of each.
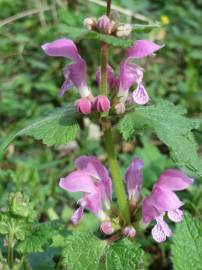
(75, 74)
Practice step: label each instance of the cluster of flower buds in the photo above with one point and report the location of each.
(86, 105)
(107, 26)
(93, 180)
(130, 74)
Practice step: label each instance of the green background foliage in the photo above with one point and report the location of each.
(29, 89)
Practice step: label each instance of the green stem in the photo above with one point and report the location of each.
(10, 251)
(108, 139)
(104, 60)
(115, 171)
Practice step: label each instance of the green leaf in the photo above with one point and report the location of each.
(187, 245)
(80, 33)
(85, 251)
(171, 126)
(145, 27)
(59, 127)
(43, 260)
(40, 236)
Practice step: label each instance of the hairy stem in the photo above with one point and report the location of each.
(104, 60)
(108, 139)
(115, 171)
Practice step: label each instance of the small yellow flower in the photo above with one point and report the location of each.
(165, 19)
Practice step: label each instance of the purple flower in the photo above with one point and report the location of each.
(164, 200)
(92, 179)
(112, 81)
(104, 24)
(106, 227)
(133, 74)
(102, 104)
(75, 73)
(133, 178)
(83, 105)
(129, 231)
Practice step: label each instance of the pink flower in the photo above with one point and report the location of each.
(129, 232)
(133, 74)
(134, 178)
(102, 104)
(112, 81)
(83, 105)
(105, 25)
(75, 74)
(106, 227)
(92, 179)
(164, 200)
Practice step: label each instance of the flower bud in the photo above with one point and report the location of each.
(124, 30)
(120, 108)
(89, 23)
(83, 105)
(102, 104)
(106, 227)
(104, 24)
(129, 231)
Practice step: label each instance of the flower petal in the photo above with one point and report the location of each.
(102, 103)
(164, 199)
(164, 225)
(63, 48)
(174, 180)
(149, 212)
(142, 48)
(83, 105)
(134, 178)
(67, 85)
(176, 215)
(161, 230)
(111, 78)
(94, 168)
(93, 202)
(140, 95)
(76, 74)
(130, 74)
(77, 215)
(78, 182)
(106, 227)
(158, 234)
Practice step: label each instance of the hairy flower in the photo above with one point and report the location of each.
(105, 25)
(112, 81)
(92, 179)
(133, 74)
(163, 200)
(75, 73)
(83, 105)
(133, 178)
(102, 104)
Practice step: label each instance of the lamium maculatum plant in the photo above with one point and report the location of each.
(127, 211)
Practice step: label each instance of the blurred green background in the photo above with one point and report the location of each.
(29, 82)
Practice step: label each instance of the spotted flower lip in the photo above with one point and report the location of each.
(75, 73)
(163, 200)
(131, 73)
